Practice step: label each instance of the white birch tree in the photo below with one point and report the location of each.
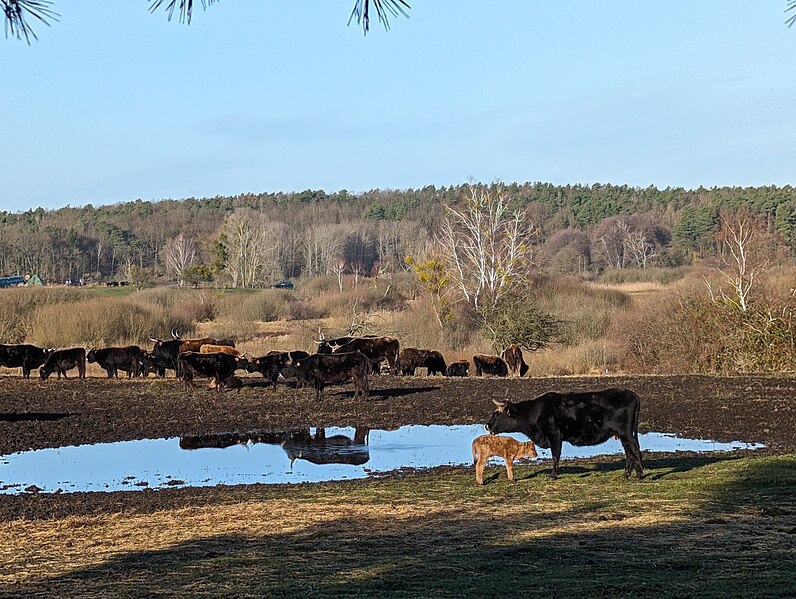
(488, 247)
(180, 253)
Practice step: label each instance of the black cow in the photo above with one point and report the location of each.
(25, 356)
(512, 355)
(327, 346)
(320, 369)
(375, 349)
(152, 364)
(166, 352)
(434, 363)
(62, 360)
(219, 367)
(580, 418)
(460, 368)
(297, 355)
(494, 365)
(298, 444)
(113, 359)
(269, 365)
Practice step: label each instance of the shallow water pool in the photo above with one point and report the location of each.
(294, 456)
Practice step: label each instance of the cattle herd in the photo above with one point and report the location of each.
(586, 418)
(336, 361)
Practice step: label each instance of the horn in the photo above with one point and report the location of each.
(321, 336)
(499, 403)
(175, 335)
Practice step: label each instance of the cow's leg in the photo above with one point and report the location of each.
(555, 449)
(632, 456)
(510, 468)
(479, 469)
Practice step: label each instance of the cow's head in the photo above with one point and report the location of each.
(502, 418)
(45, 372)
(91, 356)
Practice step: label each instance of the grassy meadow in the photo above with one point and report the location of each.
(718, 525)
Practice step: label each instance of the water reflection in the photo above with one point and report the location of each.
(298, 444)
(274, 457)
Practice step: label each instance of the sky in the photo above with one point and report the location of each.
(114, 103)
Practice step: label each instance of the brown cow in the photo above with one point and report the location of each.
(512, 355)
(209, 348)
(494, 365)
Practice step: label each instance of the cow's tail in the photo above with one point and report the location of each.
(636, 413)
(475, 454)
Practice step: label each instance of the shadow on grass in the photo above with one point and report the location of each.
(727, 547)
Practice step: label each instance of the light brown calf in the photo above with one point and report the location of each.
(486, 446)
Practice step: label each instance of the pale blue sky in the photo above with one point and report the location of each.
(114, 103)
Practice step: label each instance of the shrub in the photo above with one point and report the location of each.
(656, 274)
(103, 321)
(18, 305)
(264, 306)
(684, 331)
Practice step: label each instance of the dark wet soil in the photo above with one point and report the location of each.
(37, 414)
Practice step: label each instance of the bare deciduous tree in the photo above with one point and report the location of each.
(321, 245)
(179, 254)
(639, 248)
(488, 247)
(338, 268)
(252, 248)
(743, 259)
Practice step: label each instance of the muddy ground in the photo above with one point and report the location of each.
(38, 414)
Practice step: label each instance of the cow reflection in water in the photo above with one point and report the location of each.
(299, 444)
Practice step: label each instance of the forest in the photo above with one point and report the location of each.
(253, 240)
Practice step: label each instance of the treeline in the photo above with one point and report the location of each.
(252, 239)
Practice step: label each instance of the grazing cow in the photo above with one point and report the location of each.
(375, 349)
(219, 367)
(580, 418)
(113, 359)
(494, 365)
(460, 368)
(486, 446)
(269, 365)
(411, 358)
(26, 356)
(320, 369)
(512, 355)
(167, 351)
(62, 360)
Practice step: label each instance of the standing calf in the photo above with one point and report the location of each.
(486, 446)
